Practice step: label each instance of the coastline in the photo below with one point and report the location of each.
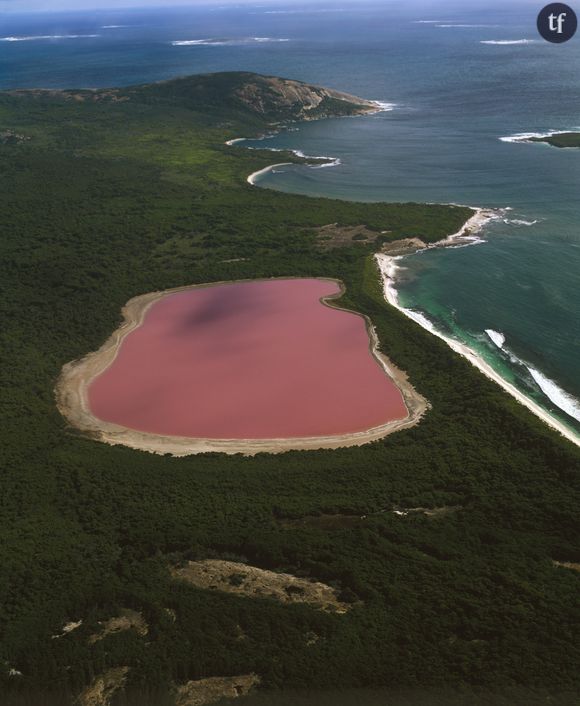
(71, 393)
(321, 161)
(256, 175)
(467, 235)
(387, 266)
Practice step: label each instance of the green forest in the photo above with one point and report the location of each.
(108, 195)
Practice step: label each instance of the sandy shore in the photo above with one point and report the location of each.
(377, 107)
(256, 175)
(388, 266)
(72, 397)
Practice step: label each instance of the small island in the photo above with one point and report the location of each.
(559, 139)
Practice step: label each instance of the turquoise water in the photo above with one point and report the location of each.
(455, 97)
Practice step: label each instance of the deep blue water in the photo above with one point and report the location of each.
(455, 97)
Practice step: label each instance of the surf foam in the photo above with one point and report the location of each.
(224, 42)
(496, 337)
(527, 136)
(509, 42)
(556, 394)
(45, 37)
(389, 268)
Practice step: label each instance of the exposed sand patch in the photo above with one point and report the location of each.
(103, 687)
(244, 580)
(68, 628)
(335, 235)
(72, 398)
(253, 178)
(567, 565)
(403, 246)
(127, 620)
(209, 691)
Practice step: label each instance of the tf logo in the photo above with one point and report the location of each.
(557, 23)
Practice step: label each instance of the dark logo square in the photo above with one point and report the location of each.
(557, 23)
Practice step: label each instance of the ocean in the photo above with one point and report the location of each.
(459, 80)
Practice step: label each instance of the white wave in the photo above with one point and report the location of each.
(335, 163)
(519, 222)
(557, 395)
(224, 42)
(466, 242)
(198, 42)
(449, 26)
(426, 22)
(384, 107)
(562, 399)
(332, 161)
(508, 42)
(527, 136)
(421, 319)
(301, 12)
(45, 37)
(301, 154)
(496, 337)
(113, 26)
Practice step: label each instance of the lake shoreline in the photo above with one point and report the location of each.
(71, 394)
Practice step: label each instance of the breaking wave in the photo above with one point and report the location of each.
(519, 222)
(507, 42)
(556, 394)
(559, 397)
(45, 37)
(385, 107)
(527, 136)
(225, 42)
(496, 337)
(335, 163)
(462, 26)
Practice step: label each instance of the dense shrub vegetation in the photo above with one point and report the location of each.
(111, 199)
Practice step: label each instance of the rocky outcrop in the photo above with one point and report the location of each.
(296, 100)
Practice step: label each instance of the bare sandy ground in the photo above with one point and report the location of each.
(72, 398)
(203, 692)
(103, 687)
(252, 582)
(256, 175)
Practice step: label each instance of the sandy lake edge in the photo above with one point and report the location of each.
(71, 393)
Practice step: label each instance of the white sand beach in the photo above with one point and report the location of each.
(388, 267)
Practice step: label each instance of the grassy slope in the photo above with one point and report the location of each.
(111, 200)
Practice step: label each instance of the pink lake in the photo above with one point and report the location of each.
(247, 360)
